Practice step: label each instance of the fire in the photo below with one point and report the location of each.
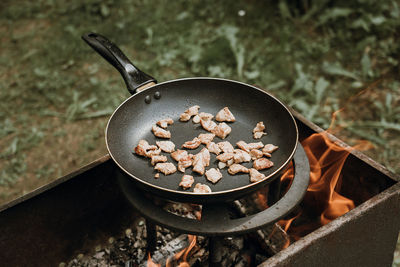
(322, 199)
(150, 263)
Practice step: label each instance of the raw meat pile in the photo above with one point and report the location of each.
(227, 156)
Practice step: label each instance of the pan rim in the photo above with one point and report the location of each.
(217, 193)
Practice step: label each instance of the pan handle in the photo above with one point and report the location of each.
(135, 79)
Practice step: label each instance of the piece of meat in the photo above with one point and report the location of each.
(206, 138)
(242, 145)
(166, 168)
(269, 148)
(255, 175)
(158, 158)
(221, 164)
(196, 119)
(206, 116)
(257, 145)
(184, 117)
(213, 175)
(144, 149)
(225, 115)
(201, 189)
(165, 122)
(193, 144)
(187, 181)
(222, 130)
(201, 160)
(258, 131)
(208, 125)
(230, 162)
(258, 135)
(236, 168)
(157, 175)
(224, 157)
(151, 153)
(213, 148)
(160, 132)
(259, 127)
(262, 163)
(192, 111)
(255, 154)
(166, 146)
(241, 156)
(226, 147)
(185, 162)
(179, 154)
(248, 147)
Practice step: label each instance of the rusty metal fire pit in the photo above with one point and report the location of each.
(80, 210)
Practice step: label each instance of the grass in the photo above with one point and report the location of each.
(318, 57)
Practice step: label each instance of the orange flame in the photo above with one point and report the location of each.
(185, 252)
(326, 160)
(150, 262)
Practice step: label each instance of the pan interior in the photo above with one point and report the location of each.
(134, 119)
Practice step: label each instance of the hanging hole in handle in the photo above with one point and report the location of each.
(93, 35)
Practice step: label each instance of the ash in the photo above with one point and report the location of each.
(129, 249)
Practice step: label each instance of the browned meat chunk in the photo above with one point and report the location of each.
(236, 168)
(257, 145)
(157, 175)
(179, 154)
(213, 175)
(156, 159)
(201, 160)
(160, 132)
(269, 148)
(221, 164)
(144, 149)
(258, 131)
(225, 115)
(243, 145)
(193, 144)
(166, 146)
(185, 163)
(192, 111)
(258, 135)
(226, 147)
(255, 154)
(196, 119)
(183, 158)
(248, 147)
(206, 138)
(206, 116)
(201, 189)
(213, 148)
(224, 157)
(165, 122)
(222, 130)
(208, 125)
(187, 181)
(255, 175)
(262, 163)
(166, 168)
(241, 156)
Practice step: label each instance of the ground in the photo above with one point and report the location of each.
(317, 56)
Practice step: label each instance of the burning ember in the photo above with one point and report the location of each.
(322, 202)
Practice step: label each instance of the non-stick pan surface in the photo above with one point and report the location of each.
(134, 119)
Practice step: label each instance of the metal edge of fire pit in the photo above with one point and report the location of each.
(358, 238)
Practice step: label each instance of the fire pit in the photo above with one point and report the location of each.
(78, 212)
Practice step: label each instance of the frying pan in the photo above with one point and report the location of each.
(150, 102)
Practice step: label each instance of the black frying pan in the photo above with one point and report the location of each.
(133, 120)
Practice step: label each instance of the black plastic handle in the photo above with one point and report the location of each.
(133, 77)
